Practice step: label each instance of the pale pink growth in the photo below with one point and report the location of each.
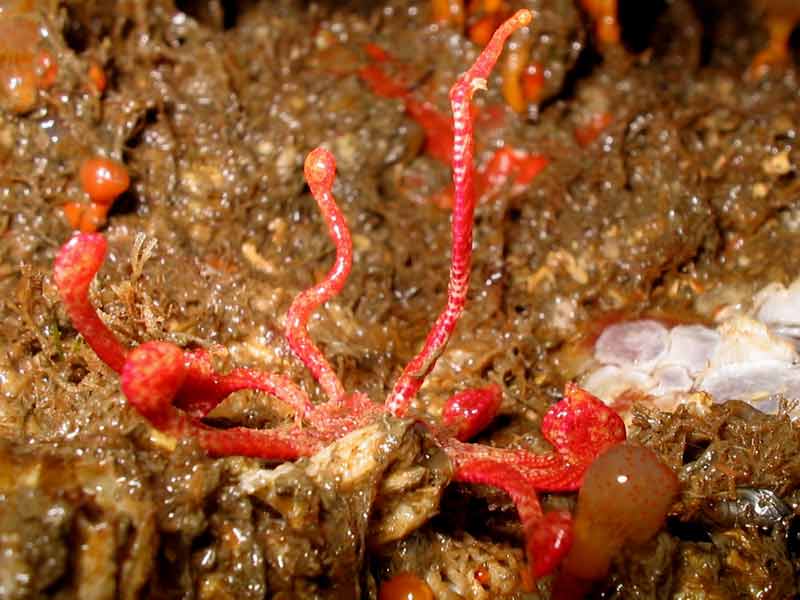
(461, 93)
(469, 412)
(320, 169)
(77, 263)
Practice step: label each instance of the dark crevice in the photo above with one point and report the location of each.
(587, 61)
(638, 22)
(687, 531)
(216, 14)
(694, 450)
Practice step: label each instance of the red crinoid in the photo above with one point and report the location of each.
(175, 388)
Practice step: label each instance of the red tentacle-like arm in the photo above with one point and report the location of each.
(474, 79)
(202, 388)
(153, 376)
(75, 266)
(580, 427)
(469, 412)
(320, 170)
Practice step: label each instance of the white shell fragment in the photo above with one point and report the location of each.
(754, 382)
(745, 340)
(638, 344)
(779, 308)
(691, 347)
(671, 378)
(610, 381)
(752, 357)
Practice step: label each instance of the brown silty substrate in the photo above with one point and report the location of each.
(685, 202)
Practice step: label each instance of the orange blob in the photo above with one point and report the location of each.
(47, 70)
(73, 212)
(604, 12)
(780, 19)
(104, 179)
(508, 165)
(481, 31)
(514, 66)
(438, 128)
(483, 576)
(449, 12)
(19, 79)
(87, 218)
(97, 78)
(533, 82)
(405, 586)
(94, 217)
(625, 497)
(493, 6)
(16, 7)
(589, 132)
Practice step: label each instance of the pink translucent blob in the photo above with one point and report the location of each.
(624, 500)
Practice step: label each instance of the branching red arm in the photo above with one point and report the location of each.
(153, 376)
(76, 264)
(474, 79)
(320, 169)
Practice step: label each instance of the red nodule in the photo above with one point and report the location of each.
(409, 382)
(549, 541)
(470, 412)
(320, 169)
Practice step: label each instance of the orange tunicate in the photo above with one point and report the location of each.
(533, 80)
(483, 575)
(73, 212)
(780, 19)
(19, 80)
(47, 70)
(97, 78)
(624, 499)
(87, 218)
(450, 12)
(104, 179)
(16, 7)
(93, 217)
(405, 586)
(516, 61)
(604, 12)
(592, 128)
(481, 31)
